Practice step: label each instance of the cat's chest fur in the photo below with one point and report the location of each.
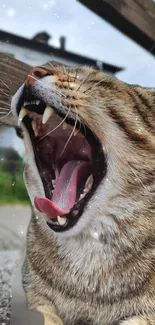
(86, 278)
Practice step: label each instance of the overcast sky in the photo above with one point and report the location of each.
(86, 34)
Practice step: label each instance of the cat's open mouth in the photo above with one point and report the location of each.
(69, 158)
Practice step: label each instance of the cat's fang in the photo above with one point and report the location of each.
(61, 220)
(22, 114)
(48, 112)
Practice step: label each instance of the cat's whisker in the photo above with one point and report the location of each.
(67, 73)
(94, 84)
(56, 90)
(74, 128)
(3, 102)
(135, 174)
(55, 69)
(59, 92)
(80, 123)
(3, 110)
(68, 79)
(6, 94)
(55, 127)
(76, 73)
(6, 109)
(6, 115)
(4, 84)
(29, 75)
(86, 78)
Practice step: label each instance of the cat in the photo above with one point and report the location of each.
(90, 175)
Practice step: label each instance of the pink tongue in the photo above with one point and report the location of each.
(65, 192)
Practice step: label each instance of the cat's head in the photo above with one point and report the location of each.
(90, 148)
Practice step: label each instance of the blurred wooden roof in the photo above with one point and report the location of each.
(135, 18)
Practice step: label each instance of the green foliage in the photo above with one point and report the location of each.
(10, 160)
(12, 188)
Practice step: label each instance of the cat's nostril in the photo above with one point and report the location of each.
(35, 74)
(39, 72)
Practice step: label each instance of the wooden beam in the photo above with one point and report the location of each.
(135, 18)
(12, 75)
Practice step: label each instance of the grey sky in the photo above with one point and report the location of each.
(86, 34)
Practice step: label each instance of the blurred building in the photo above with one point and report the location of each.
(37, 51)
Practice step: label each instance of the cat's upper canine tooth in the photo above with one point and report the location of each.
(48, 112)
(23, 112)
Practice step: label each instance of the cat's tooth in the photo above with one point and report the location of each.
(48, 112)
(76, 132)
(82, 196)
(89, 182)
(34, 126)
(64, 126)
(22, 114)
(36, 132)
(53, 182)
(26, 103)
(61, 220)
(75, 213)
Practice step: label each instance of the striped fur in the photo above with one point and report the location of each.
(103, 270)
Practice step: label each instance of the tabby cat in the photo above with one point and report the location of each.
(90, 175)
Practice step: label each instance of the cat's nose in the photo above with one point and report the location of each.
(35, 74)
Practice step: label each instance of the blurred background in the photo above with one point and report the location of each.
(115, 36)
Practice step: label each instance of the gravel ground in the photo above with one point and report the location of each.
(13, 227)
(8, 264)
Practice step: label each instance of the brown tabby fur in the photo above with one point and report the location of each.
(103, 270)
